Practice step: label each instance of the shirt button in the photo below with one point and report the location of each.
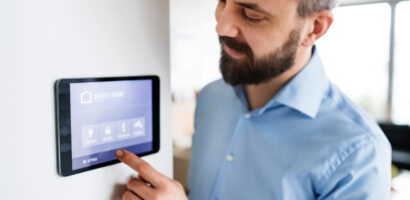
(229, 158)
(247, 115)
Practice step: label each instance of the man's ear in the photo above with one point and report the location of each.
(320, 23)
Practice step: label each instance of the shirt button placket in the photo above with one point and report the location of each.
(229, 158)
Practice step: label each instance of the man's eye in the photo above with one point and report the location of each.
(251, 19)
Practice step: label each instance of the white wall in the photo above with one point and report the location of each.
(44, 40)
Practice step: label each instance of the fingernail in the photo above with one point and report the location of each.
(119, 153)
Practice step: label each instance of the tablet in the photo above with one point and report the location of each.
(97, 116)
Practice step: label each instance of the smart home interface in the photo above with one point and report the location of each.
(107, 115)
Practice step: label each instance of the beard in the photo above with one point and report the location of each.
(250, 70)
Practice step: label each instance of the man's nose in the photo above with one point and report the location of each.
(227, 24)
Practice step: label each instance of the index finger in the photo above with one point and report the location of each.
(145, 170)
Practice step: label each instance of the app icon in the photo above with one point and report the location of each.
(89, 135)
(107, 133)
(123, 126)
(123, 129)
(138, 127)
(107, 130)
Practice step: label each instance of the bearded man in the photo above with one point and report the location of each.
(275, 127)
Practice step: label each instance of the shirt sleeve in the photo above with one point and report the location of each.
(364, 174)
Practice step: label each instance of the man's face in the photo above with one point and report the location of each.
(259, 39)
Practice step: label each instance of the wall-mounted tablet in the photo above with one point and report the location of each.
(97, 116)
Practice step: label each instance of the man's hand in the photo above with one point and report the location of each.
(150, 184)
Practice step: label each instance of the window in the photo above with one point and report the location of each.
(355, 53)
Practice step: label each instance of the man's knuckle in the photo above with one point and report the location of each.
(135, 184)
(179, 184)
(126, 195)
(131, 183)
(156, 196)
(167, 188)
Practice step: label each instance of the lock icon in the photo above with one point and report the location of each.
(107, 130)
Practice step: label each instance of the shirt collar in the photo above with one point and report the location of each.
(304, 92)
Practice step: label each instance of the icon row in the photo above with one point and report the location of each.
(112, 131)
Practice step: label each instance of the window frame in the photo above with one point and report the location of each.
(391, 66)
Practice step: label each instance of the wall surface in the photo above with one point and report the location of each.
(44, 40)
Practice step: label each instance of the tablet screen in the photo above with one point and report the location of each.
(106, 116)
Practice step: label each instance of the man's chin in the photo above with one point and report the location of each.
(237, 59)
(236, 62)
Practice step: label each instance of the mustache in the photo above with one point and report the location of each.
(235, 45)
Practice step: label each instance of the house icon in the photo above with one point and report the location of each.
(86, 97)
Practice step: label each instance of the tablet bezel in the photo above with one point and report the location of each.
(63, 121)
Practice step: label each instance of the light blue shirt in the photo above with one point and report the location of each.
(309, 142)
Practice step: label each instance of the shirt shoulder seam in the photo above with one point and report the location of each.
(342, 156)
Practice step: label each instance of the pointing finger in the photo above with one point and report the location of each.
(145, 171)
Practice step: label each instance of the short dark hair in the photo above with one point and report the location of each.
(308, 7)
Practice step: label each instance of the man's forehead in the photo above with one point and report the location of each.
(266, 2)
(268, 5)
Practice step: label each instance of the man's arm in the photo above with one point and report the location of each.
(150, 184)
(364, 174)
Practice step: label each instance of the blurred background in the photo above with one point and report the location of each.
(365, 53)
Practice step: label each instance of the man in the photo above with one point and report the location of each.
(275, 128)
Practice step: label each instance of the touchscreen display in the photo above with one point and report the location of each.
(111, 115)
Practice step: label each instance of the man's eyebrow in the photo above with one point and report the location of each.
(254, 7)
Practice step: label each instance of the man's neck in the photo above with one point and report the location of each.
(259, 95)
